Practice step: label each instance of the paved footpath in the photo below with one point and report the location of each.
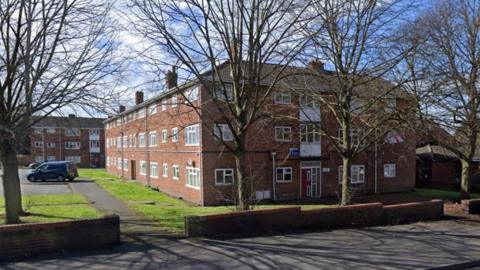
(413, 246)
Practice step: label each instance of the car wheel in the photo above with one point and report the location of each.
(31, 178)
(61, 178)
(70, 179)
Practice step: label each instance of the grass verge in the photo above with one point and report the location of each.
(169, 212)
(51, 208)
(447, 195)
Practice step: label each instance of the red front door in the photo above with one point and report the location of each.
(307, 182)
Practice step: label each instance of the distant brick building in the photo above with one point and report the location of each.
(78, 139)
(163, 143)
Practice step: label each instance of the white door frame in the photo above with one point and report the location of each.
(319, 179)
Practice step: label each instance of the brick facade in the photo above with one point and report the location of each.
(50, 140)
(265, 154)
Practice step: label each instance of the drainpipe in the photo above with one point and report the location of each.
(274, 196)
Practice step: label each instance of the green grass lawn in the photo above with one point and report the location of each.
(50, 208)
(441, 194)
(168, 211)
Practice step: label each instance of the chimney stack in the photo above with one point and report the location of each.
(138, 97)
(171, 78)
(121, 109)
(317, 65)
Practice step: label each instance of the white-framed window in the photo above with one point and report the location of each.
(358, 174)
(223, 132)
(281, 97)
(141, 139)
(308, 102)
(355, 135)
(39, 159)
(165, 170)
(223, 177)
(74, 159)
(389, 170)
(191, 94)
(51, 158)
(72, 145)
(95, 144)
(134, 140)
(119, 163)
(154, 169)
(143, 167)
(119, 141)
(164, 104)
(193, 177)
(125, 164)
(94, 132)
(51, 144)
(153, 138)
(72, 132)
(176, 172)
(38, 130)
(51, 130)
(164, 136)
(141, 113)
(174, 134)
(283, 134)
(309, 133)
(283, 174)
(38, 144)
(192, 135)
(152, 109)
(174, 100)
(223, 92)
(125, 141)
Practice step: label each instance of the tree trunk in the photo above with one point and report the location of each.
(346, 181)
(11, 184)
(242, 182)
(465, 180)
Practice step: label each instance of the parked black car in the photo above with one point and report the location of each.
(60, 170)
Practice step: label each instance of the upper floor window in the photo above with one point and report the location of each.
(94, 144)
(283, 174)
(38, 130)
(38, 144)
(143, 167)
(154, 169)
(176, 172)
(94, 132)
(141, 139)
(191, 94)
(72, 145)
(283, 134)
(50, 144)
(223, 92)
(192, 177)
(153, 138)
(164, 136)
(51, 130)
(282, 98)
(192, 135)
(152, 109)
(174, 134)
(174, 100)
(309, 133)
(308, 102)
(222, 132)
(389, 170)
(141, 113)
(72, 132)
(355, 136)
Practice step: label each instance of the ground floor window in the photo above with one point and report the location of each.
(358, 174)
(119, 163)
(193, 177)
(284, 174)
(74, 159)
(51, 158)
(176, 171)
(125, 164)
(389, 170)
(223, 176)
(165, 170)
(39, 159)
(143, 167)
(154, 169)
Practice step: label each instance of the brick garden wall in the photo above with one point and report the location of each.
(34, 238)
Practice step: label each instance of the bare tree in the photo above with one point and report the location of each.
(53, 54)
(354, 39)
(444, 68)
(234, 40)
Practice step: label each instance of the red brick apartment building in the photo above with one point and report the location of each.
(78, 139)
(163, 143)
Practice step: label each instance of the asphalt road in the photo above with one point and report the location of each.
(39, 188)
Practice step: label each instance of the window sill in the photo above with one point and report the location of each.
(193, 187)
(283, 182)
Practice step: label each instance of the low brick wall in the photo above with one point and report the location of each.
(342, 216)
(33, 238)
(471, 206)
(293, 218)
(413, 212)
(244, 222)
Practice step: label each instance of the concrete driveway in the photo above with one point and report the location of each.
(39, 188)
